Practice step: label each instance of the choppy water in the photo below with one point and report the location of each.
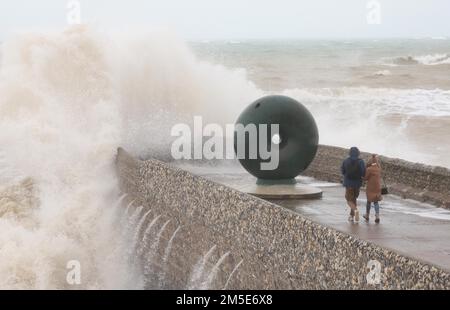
(390, 97)
(280, 65)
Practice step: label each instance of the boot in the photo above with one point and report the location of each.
(366, 217)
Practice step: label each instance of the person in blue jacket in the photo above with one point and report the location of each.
(353, 169)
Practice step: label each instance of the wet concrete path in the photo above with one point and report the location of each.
(408, 227)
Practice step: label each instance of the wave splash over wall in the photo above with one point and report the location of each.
(67, 101)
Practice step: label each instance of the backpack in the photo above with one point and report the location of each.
(354, 170)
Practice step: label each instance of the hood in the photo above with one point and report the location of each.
(354, 153)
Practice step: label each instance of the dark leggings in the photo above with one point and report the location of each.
(376, 206)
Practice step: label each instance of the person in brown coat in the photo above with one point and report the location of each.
(373, 187)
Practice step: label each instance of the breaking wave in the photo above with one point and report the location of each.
(427, 60)
(410, 124)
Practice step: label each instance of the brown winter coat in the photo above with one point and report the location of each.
(373, 187)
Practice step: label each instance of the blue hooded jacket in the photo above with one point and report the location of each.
(354, 155)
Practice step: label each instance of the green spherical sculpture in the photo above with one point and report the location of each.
(297, 139)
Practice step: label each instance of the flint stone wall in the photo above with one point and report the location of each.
(279, 249)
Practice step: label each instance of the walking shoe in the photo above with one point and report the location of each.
(356, 216)
(377, 219)
(366, 217)
(350, 218)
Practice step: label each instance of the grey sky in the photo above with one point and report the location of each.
(237, 19)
